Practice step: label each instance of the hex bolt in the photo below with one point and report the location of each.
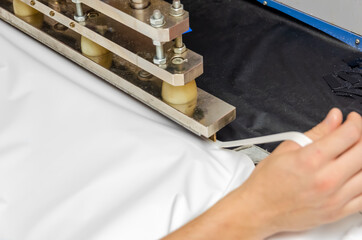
(159, 58)
(157, 19)
(79, 15)
(177, 9)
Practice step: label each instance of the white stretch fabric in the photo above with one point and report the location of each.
(81, 160)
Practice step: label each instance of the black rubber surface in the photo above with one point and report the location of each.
(266, 64)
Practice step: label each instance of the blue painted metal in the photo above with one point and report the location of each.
(190, 30)
(335, 31)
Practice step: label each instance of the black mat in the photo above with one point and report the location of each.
(266, 64)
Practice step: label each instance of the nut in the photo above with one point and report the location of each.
(159, 61)
(157, 19)
(180, 50)
(80, 18)
(177, 9)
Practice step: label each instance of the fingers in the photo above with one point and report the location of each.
(337, 142)
(351, 189)
(353, 206)
(329, 124)
(348, 164)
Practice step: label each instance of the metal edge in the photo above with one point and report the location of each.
(339, 33)
(158, 34)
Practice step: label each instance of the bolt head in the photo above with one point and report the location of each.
(157, 19)
(265, 3)
(358, 41)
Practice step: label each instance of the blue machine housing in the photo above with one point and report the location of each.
(341, 34)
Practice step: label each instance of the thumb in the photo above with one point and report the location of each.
(332, 121)
(329, 124)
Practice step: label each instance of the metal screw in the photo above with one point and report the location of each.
(159, 58)
(79, 15)
(51, 13)
(157, 14)
(157, 19)
(176, 4)
(32, 3)
(72, 24)
(177, 9)
(265, 3)
(358, 41)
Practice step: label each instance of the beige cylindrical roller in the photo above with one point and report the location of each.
(183, 98)
(23, 10)
(28, 14)
(96, 52)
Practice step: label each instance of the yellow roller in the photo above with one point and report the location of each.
(28, 14)
(96, 52)
(23, 10)
(183, 98)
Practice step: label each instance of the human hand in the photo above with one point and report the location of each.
(293, 189)
(299, 188)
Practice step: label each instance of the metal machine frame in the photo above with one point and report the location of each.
(145, 40)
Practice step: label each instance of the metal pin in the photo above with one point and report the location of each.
(79, 15)
(160, 53)
(179, 46)
(178, 42)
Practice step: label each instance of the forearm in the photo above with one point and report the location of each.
(234, 217)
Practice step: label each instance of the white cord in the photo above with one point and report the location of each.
(297, 137)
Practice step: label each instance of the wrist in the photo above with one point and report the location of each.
(252, 217)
